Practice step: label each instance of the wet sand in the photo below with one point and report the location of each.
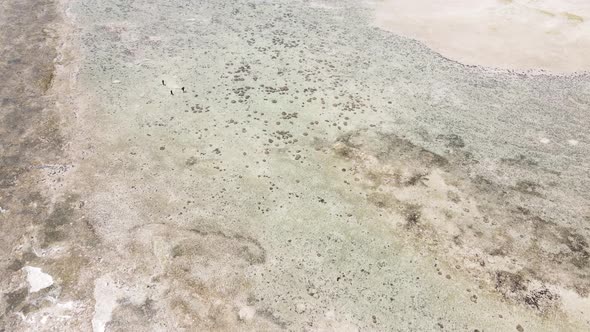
(264, 166)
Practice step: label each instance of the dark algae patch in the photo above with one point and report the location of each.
(464, 217)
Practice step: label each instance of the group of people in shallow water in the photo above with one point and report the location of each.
(172, 92)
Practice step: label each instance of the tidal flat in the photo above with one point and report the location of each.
(261, 165)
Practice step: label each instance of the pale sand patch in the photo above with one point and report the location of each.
(37, 279)
(552, 35)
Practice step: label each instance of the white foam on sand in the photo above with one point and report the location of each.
(552, 35)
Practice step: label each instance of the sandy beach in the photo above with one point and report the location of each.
(300, 166)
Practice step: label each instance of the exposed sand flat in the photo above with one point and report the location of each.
(552, 35)
(213, 165)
